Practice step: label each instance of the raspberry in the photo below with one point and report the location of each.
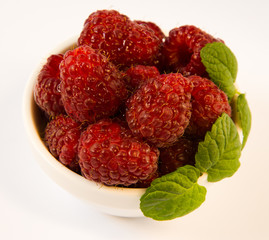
(123, 41)
(142, 46)
(153, 27)
(208, 103)
(160, 109)
(106, 30)
(160, 36)
(139, 74)
(91, 86)
(46, 90)
(180, 154)
(61, 137)
(182, 50)
(110, 156)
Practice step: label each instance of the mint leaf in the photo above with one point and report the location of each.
(219, 153)
(221, 65)
(244, 117)
(173, 195)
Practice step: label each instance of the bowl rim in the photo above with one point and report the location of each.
(36, 141)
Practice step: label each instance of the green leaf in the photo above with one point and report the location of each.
(221, 66)
(173, 195)
(219, 153)
(244, 117)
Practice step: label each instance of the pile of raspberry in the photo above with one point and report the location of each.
(128, 104)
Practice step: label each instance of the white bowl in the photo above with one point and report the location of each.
(117, 201)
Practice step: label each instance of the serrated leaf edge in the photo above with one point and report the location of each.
(205, 57)
(194, 200)
(208, 136)
(174, 195)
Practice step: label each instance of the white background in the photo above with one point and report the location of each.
(34, 207)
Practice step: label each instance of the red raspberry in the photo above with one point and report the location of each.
(91, 86)
(160, 36)
(182, 48)
(110, 156)
(139, 74)
(160, 109)
(62, 134)
(106, 30)
(180, 154)
(208, 103)
(47, 90)
(142, 46)
(155, 28)
(123, 41)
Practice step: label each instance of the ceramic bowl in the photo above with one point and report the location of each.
(116, 201)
